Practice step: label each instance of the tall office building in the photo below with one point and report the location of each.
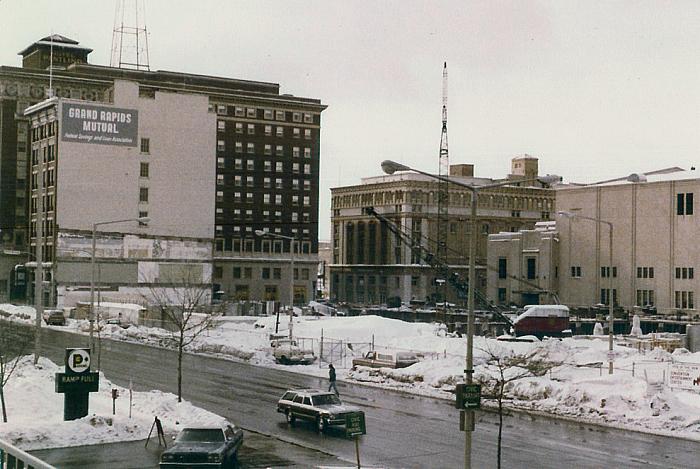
(264, 152)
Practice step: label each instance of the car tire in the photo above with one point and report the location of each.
(290, 417)
(321, 424)
(284, 360)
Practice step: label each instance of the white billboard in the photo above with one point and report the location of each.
(684, 376)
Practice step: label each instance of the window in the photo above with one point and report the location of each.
(249, 181)
(296, 132)
(239, 128)
(220, 109)
(278, 167)
(308, 118)
(605, 272)
(219, 179)
(278, 200)
(143, 214)
(220, 145)
(684, 272)
(266, 198)
(296, 152)
(268, 149)
(501, 295)
(307, 201)
(143, 194)
(278, 183)
(295, 184)
(145, 145)
(605, 296)
(280, 131)
(515, 213)
(249, 197)
(237, 179)
(279, 150)
(219, 196)
(684, 300)
(239, 147)
(277, 273)
(295, 167)
(144, 170)
(250, 148)
(279, 115)
(251, 129)
(239, 111)
(307, 169)
(221, 125)
(250, 165)
(531, 267)
(307, 134)
(251, 112)
(267, 183)
(296, 117)
(238, 163)
(684, 203)
(219, 163)
(307, 152)
(295, 200)
(265, 272)
(268, 130)
(645, 298)
(502, 267)
(645, 272)
(304, 274)
(268, 165)
(576, 271)
(268, 114)
(236, 272)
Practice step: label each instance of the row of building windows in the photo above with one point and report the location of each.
(267, 166)
(48, 154)
(249, 197)
(44, 131)
(250, 149)
(268, 246)
(267, 114)
(682, 299)
(250, 129)
(642, 272)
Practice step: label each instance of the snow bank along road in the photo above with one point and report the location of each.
(404, 431)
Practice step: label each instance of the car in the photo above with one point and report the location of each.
(54, 317)
(204, 447)
(288, 352)
(374, 359)
(323, 408)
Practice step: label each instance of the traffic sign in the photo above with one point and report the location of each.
(468, 396)
(355, 424)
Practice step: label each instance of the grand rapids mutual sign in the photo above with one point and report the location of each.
(86, 123)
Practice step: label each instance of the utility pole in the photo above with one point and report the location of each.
(443, 189)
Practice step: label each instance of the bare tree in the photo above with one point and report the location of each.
(184, 302)
(503, 366)
(14, 342)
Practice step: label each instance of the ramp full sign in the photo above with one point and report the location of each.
(103, 125)
(77, 383)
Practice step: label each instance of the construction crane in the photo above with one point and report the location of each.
(443, 189)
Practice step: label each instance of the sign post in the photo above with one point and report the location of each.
(354, 427)
(77, 383)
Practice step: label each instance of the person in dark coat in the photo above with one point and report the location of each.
(331, 378)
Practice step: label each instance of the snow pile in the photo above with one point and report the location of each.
(35, 412)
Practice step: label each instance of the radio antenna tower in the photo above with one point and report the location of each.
(443, 190)
(129, 36)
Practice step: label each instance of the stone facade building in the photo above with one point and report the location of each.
(371, 265)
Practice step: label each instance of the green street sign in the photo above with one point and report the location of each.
(468, 396)
(355, 424)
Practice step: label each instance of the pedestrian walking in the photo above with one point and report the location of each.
(331, 378)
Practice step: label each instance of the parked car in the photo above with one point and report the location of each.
(54, 317)
(374, 359)
(288, 352)
(322, 408)
(204, 447)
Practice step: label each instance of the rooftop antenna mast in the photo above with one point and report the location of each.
(443, 190)
(50, 92)
(129, 36)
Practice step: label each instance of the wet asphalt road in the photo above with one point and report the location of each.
(404, 431)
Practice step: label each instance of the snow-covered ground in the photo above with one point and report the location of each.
(636, 396)
(35, 412)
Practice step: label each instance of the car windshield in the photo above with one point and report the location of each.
(326, 399)
(201, 434)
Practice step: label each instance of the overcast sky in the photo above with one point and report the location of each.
(593, 89)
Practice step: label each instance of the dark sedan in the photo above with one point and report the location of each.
(206, 447)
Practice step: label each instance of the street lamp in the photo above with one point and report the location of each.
(390, 167)
(611, 321)
(141, 220)
(292, 241)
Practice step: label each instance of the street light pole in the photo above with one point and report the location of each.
(292, 243)
(611, 306)
(141, 220)
(390, 167)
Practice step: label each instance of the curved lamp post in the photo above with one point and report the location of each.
(141, 220)
(390, 167)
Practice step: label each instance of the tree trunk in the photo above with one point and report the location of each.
(179, 367)
(500, 424)
(2, 401)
